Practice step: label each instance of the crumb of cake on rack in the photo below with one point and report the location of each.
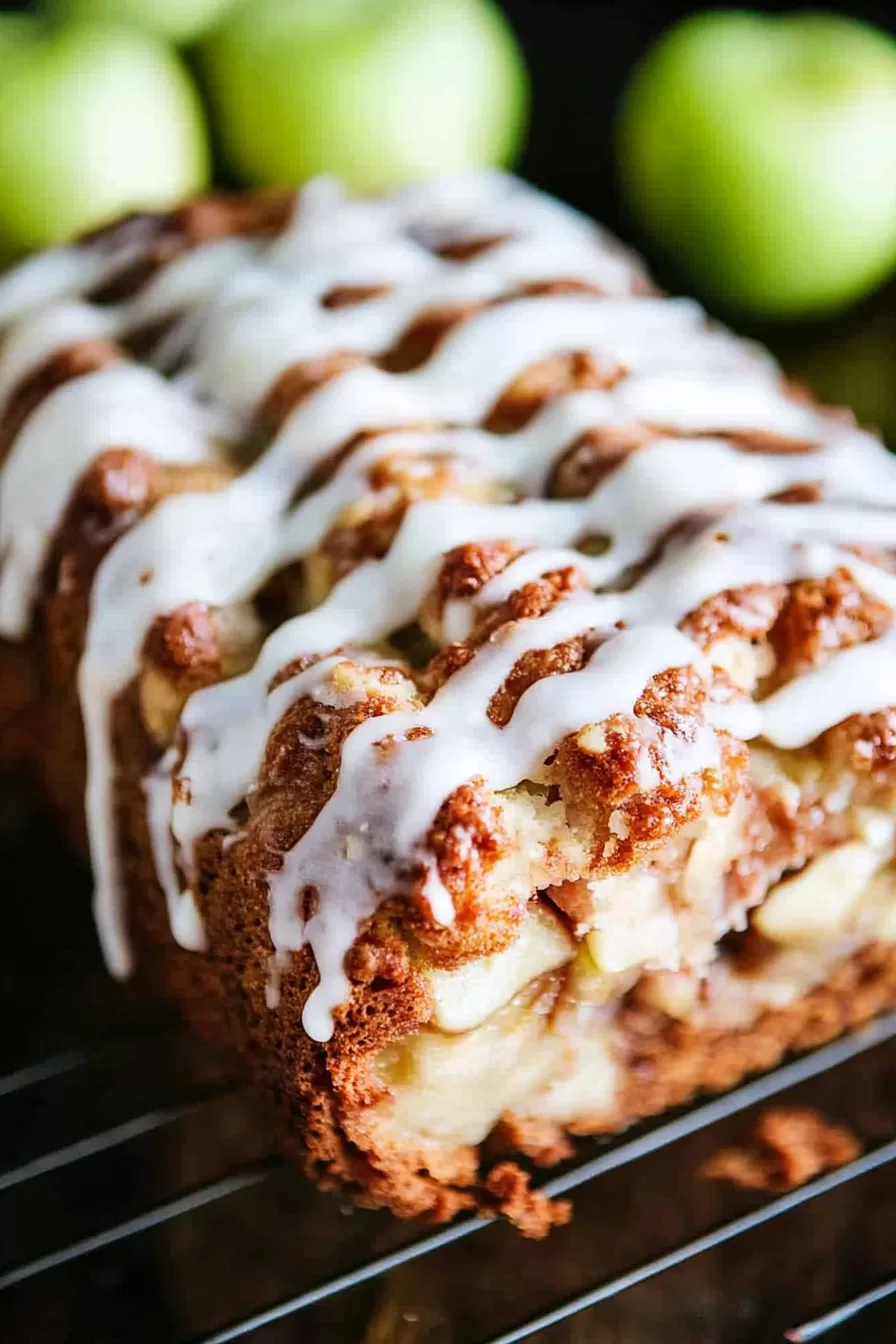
(531, 1212)
(789, 1146)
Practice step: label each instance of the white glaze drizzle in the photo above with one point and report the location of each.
(858, 680)
(248, 313)
(123, 405)
(183, 913)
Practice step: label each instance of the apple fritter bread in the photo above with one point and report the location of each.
(469, 669)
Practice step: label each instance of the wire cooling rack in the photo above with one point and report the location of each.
(140, 1199)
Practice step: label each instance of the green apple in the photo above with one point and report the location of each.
(176, 20)
(760, 152)
(93, 121)
(379, 92)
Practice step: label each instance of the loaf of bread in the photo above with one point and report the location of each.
(469, 670)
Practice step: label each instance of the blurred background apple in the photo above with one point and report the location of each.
(377, 91)
(177, 20)
(94, 120)
(760, 153)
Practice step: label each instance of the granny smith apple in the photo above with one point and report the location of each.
(379, 92)
(93, 121)
(760, 152)
(176, 20)
(16, 34)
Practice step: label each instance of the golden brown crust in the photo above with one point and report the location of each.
(668, 1061)
(555, 376)
(591, 458)
(820, 617)
(423, 337)
(604, 780)
(298, 382)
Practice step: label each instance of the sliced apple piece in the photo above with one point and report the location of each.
(464, 998)
(675, 993)
(454, 1089)
(641, 931)
(877, 913)
(745, 662)
(586, 984)
(584, 1079)
(817, 902)
(885, 925)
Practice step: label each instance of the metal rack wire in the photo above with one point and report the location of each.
(619, 1155)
